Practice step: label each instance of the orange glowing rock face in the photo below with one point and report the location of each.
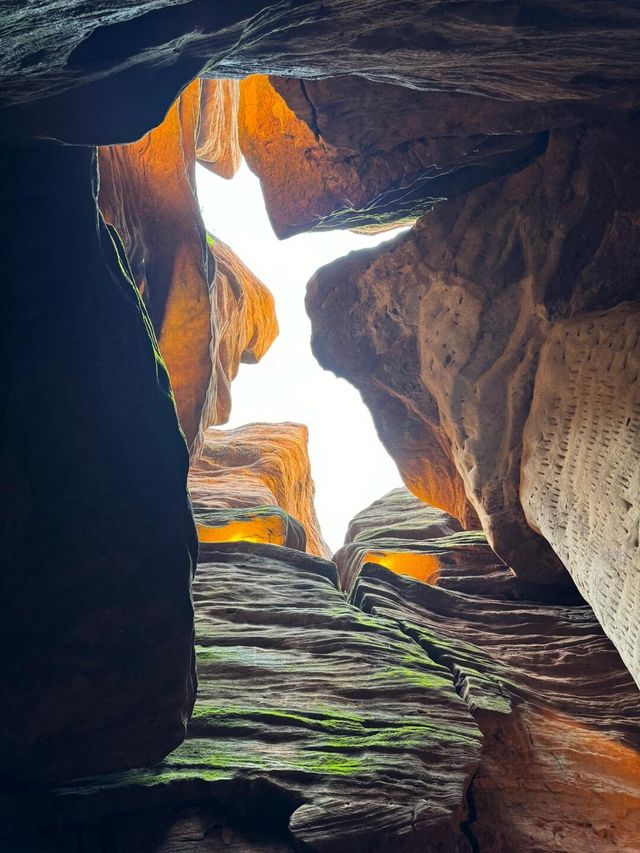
(147, 192)
(422, 567)
(270, 529)
(217, 146)
(245, 318)
(255, 466)
(283, 151)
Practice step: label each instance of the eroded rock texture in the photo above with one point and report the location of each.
(319, 727)
(217, 145)
(581, 478)
(348, 152)
(246, 324)
(409, 537)
(147, 192)
(208, 309)
(560, 768)
(258, 465)
(97, 540)
(94, 65)
(322, 726)
(441, 329)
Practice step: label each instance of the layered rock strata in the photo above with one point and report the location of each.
(409, 537)
(97, 540)
(217, 145)
(328, 727)
(316, 726)
(109, 74)
(441, 329)
(258, 465)
(559, 713)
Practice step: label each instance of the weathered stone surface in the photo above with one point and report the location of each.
(581, 477)
(208, 309)
(217, 145)
(329, 155)
(147, 192)
(559, 713)
(97, 542)
(246, 324)
(267, 524)
(323, 727)
(256, 465)
(440, 329)
(109, 74)
(407, 536)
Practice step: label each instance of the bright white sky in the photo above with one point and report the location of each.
(349, 465)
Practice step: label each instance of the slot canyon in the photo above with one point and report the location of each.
(188, 664)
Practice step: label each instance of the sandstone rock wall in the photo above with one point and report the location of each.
(110, 74)
(147, 192)
(580, 473)
(245, 317)
(405, 535)
(441, 328)
(258, 465)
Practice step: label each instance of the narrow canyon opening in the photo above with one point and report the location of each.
(387, 247)
(350, 467)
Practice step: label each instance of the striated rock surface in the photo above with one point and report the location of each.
(560, 768)
(409, 537)
(109, 74)
(97, 541)
(147, 192)
(269, 525)
(246, 324)
(217, 146)
(580, 483)
(258, 465)
(441, 329)
(317, 727)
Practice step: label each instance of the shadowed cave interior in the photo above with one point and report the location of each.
(187, 664)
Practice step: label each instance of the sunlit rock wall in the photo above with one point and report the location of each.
(258, 465)
(147, 192)
(405, 535)
(209, 311)
(246, 325)
(443, 326)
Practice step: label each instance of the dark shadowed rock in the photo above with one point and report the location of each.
(97, 539)
(109, 73)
